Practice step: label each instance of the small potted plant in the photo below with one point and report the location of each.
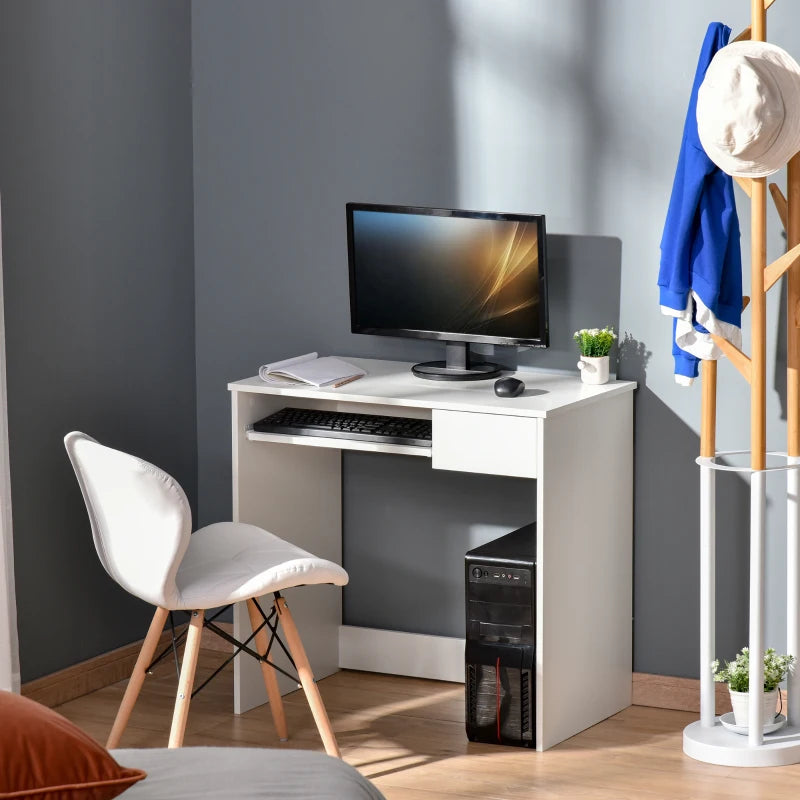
(737, 675)
(594, 344)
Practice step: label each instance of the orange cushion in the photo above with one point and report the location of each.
(43, 756)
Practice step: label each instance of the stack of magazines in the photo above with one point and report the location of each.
(310, 370)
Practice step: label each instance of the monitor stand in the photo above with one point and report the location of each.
(458, 366)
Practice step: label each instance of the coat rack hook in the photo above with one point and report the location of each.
(780, 204)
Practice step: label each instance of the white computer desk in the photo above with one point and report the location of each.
(576, 441)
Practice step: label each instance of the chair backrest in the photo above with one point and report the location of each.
(140, 517)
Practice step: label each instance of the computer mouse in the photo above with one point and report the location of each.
(508, 387)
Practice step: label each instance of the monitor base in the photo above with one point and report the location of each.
(439, 371)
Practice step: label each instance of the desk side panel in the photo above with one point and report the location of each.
(295, 493)
(584, 568)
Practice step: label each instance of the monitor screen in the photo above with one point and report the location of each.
(446, 274)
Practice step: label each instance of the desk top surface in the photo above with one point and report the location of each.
(392, 383)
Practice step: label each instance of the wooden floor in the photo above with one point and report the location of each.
(407, 736)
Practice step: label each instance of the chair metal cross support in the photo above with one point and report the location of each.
(240, 647)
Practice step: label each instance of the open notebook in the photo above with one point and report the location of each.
(311, 370)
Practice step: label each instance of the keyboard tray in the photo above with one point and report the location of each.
(407, 431)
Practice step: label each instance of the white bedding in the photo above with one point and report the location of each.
(237, 773)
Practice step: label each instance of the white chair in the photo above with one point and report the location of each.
(142, 529)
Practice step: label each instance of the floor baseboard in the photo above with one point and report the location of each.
(677, 694)
(105, 669)
(88, 676)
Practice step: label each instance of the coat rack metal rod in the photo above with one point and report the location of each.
(793, 440)
(708, 447)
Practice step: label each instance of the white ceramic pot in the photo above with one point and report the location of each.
(741, 702)
(594, 370)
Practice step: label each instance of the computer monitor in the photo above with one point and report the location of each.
(457, 276)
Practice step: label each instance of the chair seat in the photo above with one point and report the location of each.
(230, 561)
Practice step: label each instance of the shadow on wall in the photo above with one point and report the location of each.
(583, 276)
(666, 598)
(779, 381)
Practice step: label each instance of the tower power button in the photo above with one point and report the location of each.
(476, 572)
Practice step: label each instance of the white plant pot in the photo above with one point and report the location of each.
(741, 711)
(594, 370)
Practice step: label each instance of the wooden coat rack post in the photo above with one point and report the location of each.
(707, 739)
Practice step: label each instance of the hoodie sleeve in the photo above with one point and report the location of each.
(716, 260)
(675, 271)
(687, 366)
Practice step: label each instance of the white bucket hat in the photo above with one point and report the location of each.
(748, 109)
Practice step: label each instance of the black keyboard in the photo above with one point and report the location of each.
(343, 425)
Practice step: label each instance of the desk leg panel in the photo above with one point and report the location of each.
(295, 493)
(584, 568)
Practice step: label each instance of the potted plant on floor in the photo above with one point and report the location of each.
(736, 674)
(594, 344)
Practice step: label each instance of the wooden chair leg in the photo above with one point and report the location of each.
(137, 677)
(186, 681)
(307, 678)
(270, 678)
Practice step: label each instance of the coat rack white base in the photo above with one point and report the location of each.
(707, 740)
(718, 745)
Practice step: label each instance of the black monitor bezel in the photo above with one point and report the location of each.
(543, 340)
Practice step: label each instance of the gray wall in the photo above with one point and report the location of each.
(96, 184)
(574, 109)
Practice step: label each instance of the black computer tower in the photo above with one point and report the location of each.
(501, 640)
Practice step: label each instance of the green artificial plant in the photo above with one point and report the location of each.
(737, 673)
(595, 342)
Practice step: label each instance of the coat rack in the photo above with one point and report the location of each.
(707, 740)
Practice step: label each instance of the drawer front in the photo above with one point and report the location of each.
(489, 443)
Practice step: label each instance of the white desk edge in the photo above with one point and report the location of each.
(391, 383)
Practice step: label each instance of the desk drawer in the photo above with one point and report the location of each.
(489, 443)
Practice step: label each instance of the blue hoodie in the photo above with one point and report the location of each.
(700, 277)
